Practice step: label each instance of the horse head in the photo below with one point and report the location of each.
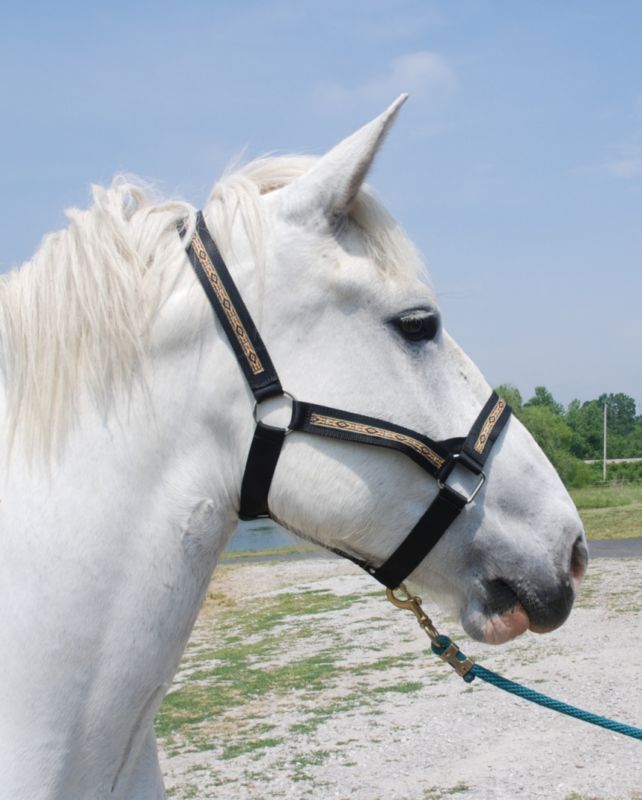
(350, 323)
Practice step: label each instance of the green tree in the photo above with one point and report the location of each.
(568, 437)
(543, 397)
(633, 446)
(549, 429)
(555, 437)
(586, 422)
(620, 412)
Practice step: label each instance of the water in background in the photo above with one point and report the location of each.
(260, 534)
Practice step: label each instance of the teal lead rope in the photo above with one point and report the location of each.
(447, 650)
(477, 671)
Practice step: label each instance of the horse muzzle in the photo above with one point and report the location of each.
(504, 609)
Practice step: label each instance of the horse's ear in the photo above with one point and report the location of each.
(332, 185)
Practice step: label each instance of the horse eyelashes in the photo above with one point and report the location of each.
(418, 326)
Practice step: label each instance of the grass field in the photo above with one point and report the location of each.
(610, 512)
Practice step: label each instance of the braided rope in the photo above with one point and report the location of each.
(477, 671)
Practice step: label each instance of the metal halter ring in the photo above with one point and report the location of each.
(255, 413)
(450, 465)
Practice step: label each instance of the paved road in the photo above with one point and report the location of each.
(616, 548)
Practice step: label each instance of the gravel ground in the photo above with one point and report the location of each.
(417, 732)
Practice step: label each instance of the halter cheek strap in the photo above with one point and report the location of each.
(437, 458)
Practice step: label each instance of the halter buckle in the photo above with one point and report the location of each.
(256, 412)
(451, 462)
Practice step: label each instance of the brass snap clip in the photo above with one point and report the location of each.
(413, 603)
(442, 646)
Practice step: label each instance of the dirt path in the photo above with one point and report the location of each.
(312, 686)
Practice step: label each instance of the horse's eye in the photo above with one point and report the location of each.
(418, 326)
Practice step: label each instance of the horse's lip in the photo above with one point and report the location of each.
(503, 612)
(500, 628)
(495, 614)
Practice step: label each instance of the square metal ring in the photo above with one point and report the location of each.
(450, 465)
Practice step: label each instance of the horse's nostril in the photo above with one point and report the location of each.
(500, 597)
(579, 560)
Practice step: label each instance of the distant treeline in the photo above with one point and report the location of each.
(570, 435)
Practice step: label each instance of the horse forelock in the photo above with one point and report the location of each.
(76, 317)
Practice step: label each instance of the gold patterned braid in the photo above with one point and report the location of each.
(491, 421)
(228, 307)
(323, 421)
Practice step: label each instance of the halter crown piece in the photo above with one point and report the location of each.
(437, 458)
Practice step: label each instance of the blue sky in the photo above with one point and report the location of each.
(516, 165)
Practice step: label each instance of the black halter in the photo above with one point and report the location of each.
(437, 458)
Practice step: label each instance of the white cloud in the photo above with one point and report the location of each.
(422, 74)
(627, 168)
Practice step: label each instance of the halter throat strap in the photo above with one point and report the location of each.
(437, 458)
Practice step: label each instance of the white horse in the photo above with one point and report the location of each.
(126, 423)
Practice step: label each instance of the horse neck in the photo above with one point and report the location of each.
(122, 535)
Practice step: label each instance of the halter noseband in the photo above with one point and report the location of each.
(437, 458)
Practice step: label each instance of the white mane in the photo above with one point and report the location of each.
(76, 317)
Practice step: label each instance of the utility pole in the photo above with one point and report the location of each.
(604, 454)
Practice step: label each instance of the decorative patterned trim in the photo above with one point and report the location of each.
(323, 421)
(228, 307)
(491, 421)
